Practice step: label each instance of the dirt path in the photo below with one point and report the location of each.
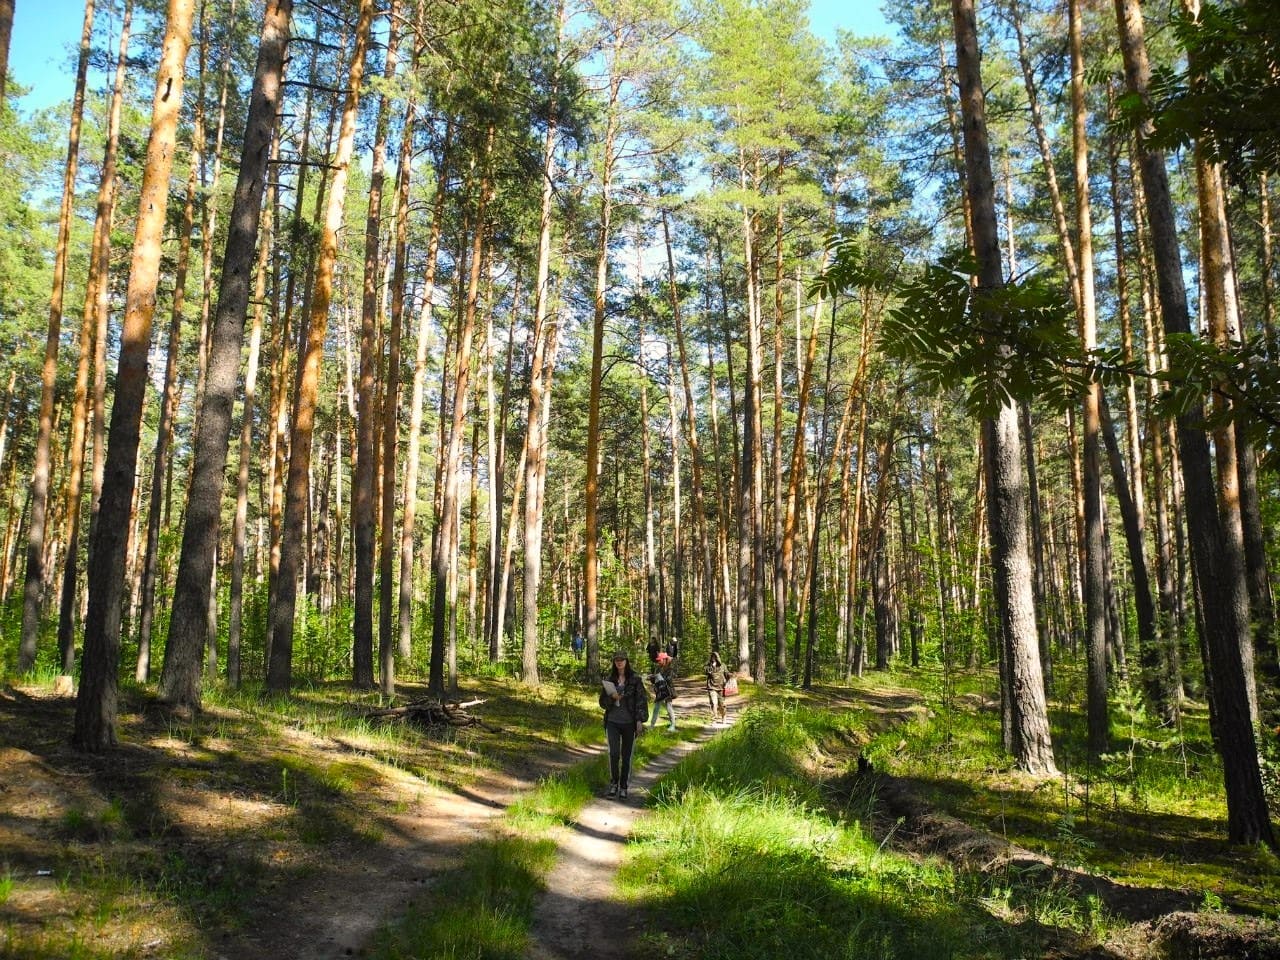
(578, 903)
(336, 913)
(322, 899)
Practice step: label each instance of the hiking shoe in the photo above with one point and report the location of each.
(622, 793)
(613, 790)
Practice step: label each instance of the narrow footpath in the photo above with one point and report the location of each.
(578, 909)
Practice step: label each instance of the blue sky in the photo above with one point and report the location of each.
(45, 31)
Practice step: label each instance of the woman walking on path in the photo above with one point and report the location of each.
(717, 677)
(625, 707)
(664, 691)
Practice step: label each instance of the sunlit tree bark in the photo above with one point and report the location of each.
(189, 621)
(1010, 561)
(96, 702)
(34, 587)
(280, 670)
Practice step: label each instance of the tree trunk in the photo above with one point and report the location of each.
(695, 451)
(1223, 599)
(1094, 568)
(364, 483)
(444, 560)
(1152, 652)
(96, 702)
(1006, 509)
(650, 605)
(280, 671)
(164, 435)
(590, 566)
(95, 288)
(677, 526)
(197, 564)
(6, 31)
(34, 588)
(1069, 259)
(238, 530)
(412, 457)
(387, 639)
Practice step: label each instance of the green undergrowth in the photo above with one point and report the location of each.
(754, 852)
(1151, 813)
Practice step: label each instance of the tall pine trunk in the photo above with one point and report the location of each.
(1222, 592)
(96, 702)
(1006, 509)
(96, 284)
(188, 625)
(33, 589)
(1094, 567)
(280, 670)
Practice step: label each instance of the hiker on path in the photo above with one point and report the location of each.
(664, 690)
(654, 649)
(625, 707)
(717, 677)
(673, 648)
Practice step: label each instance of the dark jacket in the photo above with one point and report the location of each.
(634, 699)
(664, 682)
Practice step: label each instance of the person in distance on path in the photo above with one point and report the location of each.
(717, 677)
(664, 691)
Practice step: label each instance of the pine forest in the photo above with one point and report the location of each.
(376, 379)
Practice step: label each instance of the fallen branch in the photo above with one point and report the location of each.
(430, 712)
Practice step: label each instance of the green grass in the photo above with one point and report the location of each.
(750, 854)
(220, 812)
(1151, 813)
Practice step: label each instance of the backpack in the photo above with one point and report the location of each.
(661, 687)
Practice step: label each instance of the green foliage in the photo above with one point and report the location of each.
(998, 346)
(1247, 374)
(1227, 95)
(1152, 813)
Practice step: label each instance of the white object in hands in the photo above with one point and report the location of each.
(610, 688)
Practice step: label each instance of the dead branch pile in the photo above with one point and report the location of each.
(431, 713)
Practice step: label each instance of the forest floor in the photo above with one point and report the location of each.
(243, 833)
(259, 830)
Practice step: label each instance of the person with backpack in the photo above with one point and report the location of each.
(717, 677)
(625, 706)
(664, 690)
(654, 649)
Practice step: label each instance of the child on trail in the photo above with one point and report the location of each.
(664, 690)
(717, 677)
(625, 706)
